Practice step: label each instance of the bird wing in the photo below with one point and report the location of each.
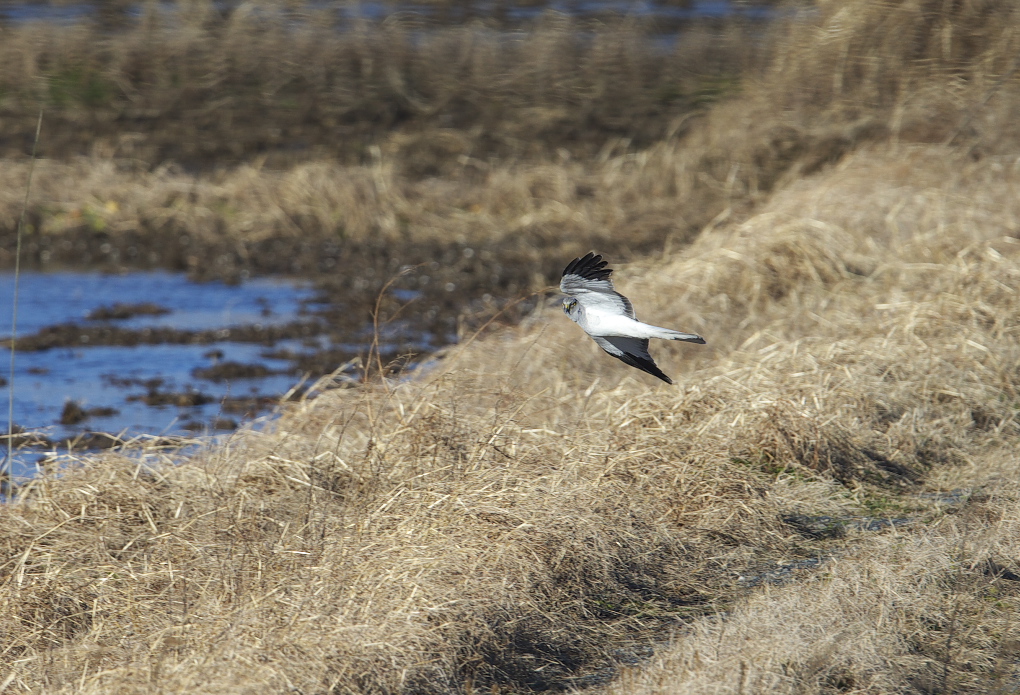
(632, 351)
(587, 279)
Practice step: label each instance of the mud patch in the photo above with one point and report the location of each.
(70, 335)
(119, 311)
(248, 407)
(231, 370)
(181, 399)
(22, 437)
(73, 413)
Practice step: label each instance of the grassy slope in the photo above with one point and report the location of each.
(907, 352)
(531, 504)
(530, 510)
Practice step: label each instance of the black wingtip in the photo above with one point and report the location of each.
(589, 267)
(658, 373)
(651, 368)
(644, 365)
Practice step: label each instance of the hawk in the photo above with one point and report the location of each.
(608, 317)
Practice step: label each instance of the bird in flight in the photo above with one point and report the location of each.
(608, 317)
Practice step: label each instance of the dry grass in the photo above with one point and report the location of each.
(289, 82)
(837, 78)
(494, 236)
(930, 610)
(527, 511)
(560, 207)
(414, 537)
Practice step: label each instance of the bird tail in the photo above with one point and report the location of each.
(637, 329)
(677, 335)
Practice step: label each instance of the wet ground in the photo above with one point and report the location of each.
(176, 337)
(153, 353)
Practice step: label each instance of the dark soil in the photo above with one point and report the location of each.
(181, 399)
(90, 440)
(127, 382)
(248, 407)
(227, 371)
(77, 335)
(156, 395)
(217, 423)
(73, 413)
(120, 311)
(104, 440)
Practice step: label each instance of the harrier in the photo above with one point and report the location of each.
(608, 317)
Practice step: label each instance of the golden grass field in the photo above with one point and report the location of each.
(529, 515)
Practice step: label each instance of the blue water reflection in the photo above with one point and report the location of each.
(51, 298)
(118, 377)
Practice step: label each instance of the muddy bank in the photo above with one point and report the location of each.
(79, 335)
(426, 295)
(434, 290)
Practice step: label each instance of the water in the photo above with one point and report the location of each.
(120, 378)
(51, 298)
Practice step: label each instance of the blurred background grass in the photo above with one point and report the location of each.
(209, 85)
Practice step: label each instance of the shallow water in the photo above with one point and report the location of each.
(119, 377)
(50, 298)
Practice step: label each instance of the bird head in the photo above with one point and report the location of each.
(570, 307)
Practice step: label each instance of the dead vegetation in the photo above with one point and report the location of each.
(925, 611)
(524, 514)
(284, 83)
(287, 144)
(429, 193)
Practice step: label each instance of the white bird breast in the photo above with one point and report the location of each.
(597, 322)
(604, 324)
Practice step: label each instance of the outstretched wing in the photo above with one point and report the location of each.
(587, 279)
(632, 351)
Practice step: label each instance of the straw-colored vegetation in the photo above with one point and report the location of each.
(288, 82)
(446, 179)
(279, 140)
(527, 512)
